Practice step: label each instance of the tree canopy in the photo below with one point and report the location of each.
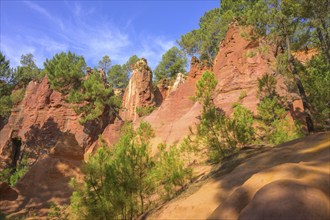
(105, 63)
(173, 62)
(204, 41)
(65, 71)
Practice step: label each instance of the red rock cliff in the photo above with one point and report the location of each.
(37, 122)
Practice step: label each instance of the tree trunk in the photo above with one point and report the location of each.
(324, 43)
(306, 104)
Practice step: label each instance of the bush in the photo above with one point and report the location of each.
(316, 81)
(145, 110)
(13, 175)
(5, 106)
(250, 54)
(242, 123)
(118, 179)
(273, 125)
(170, 170)
(17, 96)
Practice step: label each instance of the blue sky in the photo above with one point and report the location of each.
(96, 28)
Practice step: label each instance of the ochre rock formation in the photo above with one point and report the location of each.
(38, 121)
(164, 88)
(46, 182)
(177, 112)
(139, 92)
(238, 66)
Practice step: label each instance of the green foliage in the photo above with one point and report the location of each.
(17, 96)
(316, 80)
(267, 86)
(118, 180)
(4, 67)
(145, 110)
(173, 62)
(205, 40)
(5, 105)
(128, 66)
(215, 129)
(117, 76)
(242, 95)
(27, 72)
(105, 63)
(57, 212)
(205, 87)
(5, 87)
(94, 99)
(250, 54)
(13, 175)
(274, 126)
(242, 123)
(171, 170)
(65, 71)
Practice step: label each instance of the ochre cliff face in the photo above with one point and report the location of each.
(46, 182)
(139, 92)
(177, 112)
(38, 121)
(238, 66)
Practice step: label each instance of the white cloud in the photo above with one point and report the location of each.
(14, 53)
(44, 12)
(80, 35)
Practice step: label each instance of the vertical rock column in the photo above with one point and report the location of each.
(139, 92)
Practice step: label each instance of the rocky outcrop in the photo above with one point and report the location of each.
(139, 92)
(165, 87)
(37, 123)
(46, 182)
(180, 78)
(177, 112)
(238, 66)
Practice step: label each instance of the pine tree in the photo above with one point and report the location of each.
(117, 76)
(173, 62)
(273, 125)
(94, 99)
(215, 129)
(65, 71)
(105, 63)
(27, 72)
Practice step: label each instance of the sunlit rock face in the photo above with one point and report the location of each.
(139, 92)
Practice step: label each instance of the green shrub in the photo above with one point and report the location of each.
(250, 54)
(94, 99)
(145, 110)
(215, 129)
(242, 123)
(57, 212)
(316, 80)
(5, 106)
(13, 175)
(242, 95)
(119, 179)
(17, 96)
(170, 169)
(273, 125)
